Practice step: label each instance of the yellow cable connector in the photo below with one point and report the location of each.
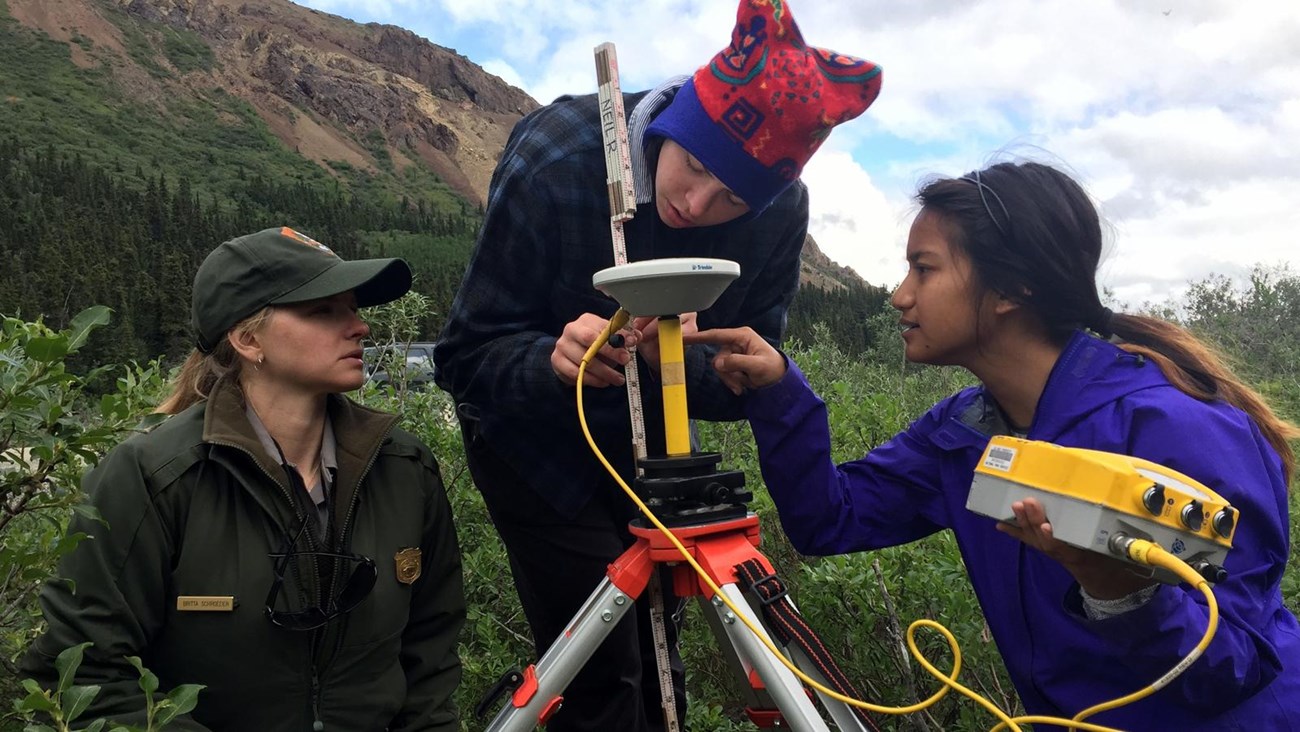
(1145, 552)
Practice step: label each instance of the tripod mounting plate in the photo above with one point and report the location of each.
(690, 489)
(669, 286)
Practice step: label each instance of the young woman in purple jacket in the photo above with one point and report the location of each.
(1002, 282)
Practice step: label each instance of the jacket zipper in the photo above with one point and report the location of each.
(318, 725)
(316, 635)
(343, 536)
(292, 506)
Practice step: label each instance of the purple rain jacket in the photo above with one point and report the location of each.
(1100, 397)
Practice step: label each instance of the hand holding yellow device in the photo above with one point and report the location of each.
(1092, 497)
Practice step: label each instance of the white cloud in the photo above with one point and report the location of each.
(1181, 118)
(504, 70)
(851, 219)
(1234, 227)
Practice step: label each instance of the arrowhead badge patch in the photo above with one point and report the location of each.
(408, 564)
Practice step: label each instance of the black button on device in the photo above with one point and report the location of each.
(1223, 522)
(1193, 516)
(1154, 499)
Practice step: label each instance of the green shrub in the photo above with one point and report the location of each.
(65, 703)
(861, 604)
(186, 50)
(52, 428)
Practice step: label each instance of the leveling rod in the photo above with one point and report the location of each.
(622, 207)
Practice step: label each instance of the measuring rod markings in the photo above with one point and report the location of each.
(622, 206)
(618, 156)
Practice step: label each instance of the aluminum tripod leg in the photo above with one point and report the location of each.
(840, 712)
(540, 694)
(785, 689)
(718, 548)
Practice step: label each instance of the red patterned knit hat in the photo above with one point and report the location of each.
(756, 113)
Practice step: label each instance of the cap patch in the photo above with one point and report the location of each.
(304, 239)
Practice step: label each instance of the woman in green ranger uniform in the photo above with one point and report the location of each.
(274, 541)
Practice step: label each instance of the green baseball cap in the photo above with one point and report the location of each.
(277, 267)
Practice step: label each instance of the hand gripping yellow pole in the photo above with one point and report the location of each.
(672, 375)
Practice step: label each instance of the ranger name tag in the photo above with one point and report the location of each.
(205, 603)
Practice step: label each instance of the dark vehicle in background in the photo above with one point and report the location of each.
(402, 363)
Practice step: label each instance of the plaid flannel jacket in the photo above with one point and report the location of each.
(545, 232)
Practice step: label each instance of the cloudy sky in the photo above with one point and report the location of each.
(1181, 117)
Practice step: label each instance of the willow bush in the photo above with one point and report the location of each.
(56, 423)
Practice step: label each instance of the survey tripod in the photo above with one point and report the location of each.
(706, 510)
(720, 536)
(774, 697)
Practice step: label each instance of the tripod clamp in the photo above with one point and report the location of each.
(507, 684)
(690, 490)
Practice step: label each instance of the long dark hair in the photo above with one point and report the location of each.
(1033, 236)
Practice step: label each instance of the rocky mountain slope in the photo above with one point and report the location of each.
(331, 89)
(347, 96)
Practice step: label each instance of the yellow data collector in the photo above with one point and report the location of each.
(1091, 497)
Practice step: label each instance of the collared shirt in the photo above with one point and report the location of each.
(645, 111)
(546, 231)
(329, 464)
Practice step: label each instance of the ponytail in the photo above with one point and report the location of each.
(201, 372)
(1199, 371)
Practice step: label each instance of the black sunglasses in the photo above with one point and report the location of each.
(357, 587)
